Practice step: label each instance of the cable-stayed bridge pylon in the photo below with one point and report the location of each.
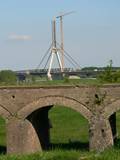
(57, 51)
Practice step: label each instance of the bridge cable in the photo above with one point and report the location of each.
(47, 61)
(72, 60)
(69, 60)
(46, 53)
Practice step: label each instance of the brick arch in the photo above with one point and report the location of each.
(4, 113)
(55, 100)
(111, 108)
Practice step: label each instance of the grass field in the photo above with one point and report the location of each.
(70, 129)
(63, 82)
(69, 138)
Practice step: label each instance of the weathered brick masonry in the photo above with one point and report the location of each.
(26, 113)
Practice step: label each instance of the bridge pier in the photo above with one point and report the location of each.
(21, 137)
(29, 135)
(100, 134)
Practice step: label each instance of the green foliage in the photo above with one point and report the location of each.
(109, 75)
(66, 79)
(7, 76)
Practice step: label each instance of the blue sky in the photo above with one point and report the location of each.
(91, 34)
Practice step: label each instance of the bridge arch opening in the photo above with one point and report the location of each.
(37, 113)
(4, 115)
(114, 120)
(112, 113)
(3, 137)
(58, 126)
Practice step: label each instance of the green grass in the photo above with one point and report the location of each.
(69, 137)
(2, 132)
(64, 82)
(68, 126)
(66, 155)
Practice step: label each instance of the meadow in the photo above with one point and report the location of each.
(64, 82)
(69, 139)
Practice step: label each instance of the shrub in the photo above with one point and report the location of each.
(109, 75)
(7, 76)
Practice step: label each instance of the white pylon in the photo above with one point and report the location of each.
(54, 51)
(62, 36)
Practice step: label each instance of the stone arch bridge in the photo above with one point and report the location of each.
(25, 110)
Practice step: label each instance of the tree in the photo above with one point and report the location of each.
(7, 76)
(110, 75)
(107, 75)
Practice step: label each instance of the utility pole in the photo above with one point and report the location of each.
(62, 36)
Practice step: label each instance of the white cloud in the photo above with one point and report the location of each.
(18, 37)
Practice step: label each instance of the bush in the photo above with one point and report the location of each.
(66, 79)
(7, 76)
(109, 75)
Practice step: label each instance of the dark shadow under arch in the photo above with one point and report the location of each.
(3, 147)
(40, 122)
(110, 114)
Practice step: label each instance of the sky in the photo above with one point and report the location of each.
(91, 34)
